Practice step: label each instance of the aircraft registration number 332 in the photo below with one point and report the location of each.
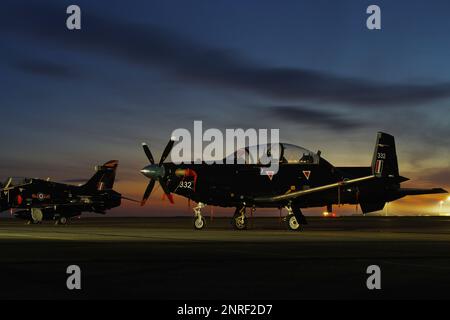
(186, 184)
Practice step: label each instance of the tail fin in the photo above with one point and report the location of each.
(104, 177)
(384, 161)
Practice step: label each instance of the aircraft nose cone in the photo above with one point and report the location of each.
(153, 171)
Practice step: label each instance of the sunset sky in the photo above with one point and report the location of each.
(140, 69)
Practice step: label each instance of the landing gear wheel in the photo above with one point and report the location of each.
(292, 223)
(37, 215)
(199, 223)
(240, 222)
(61, 220)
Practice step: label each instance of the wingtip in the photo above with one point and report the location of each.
(439, 190)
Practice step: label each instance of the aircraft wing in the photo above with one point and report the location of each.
(297, 194)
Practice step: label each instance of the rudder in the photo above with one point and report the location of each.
(104, 177)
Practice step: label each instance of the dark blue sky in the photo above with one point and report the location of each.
(139, 69)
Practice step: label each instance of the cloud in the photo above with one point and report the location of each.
(439, 176)
(303, 115)
(44, 68)
(189, 61)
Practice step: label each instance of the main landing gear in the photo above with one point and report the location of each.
(239, 220)
(199, 220)
(61, 220)
(295, 218)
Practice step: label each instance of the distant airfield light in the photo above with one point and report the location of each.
(441, 203)
(329, 214)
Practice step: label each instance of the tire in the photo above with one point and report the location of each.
(240, 223)
(199, 223)
(37, 215)
(292, 223)
(62, 220)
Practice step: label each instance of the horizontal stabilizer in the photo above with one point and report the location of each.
(415, 191)
(401, 179)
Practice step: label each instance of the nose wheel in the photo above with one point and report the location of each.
(37, 215)
(199, 223)
(199, 220)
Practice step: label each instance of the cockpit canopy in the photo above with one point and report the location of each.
(15, 181)
(295, 154)
(261, 154)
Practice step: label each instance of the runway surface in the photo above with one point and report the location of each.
(164, 258)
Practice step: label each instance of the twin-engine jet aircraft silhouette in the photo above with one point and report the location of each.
(304, 180)
(36, 200)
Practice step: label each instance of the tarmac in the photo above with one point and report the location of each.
(165, 258)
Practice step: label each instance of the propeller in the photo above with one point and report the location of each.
(156, 172)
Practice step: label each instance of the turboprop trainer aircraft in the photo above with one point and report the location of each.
(304, 180)
(36, 200)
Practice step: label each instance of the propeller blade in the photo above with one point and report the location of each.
(148, 153)
(166, 191)
(170, 196)
(166, 151)
(147, 192)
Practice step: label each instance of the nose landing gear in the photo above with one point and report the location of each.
(199, 220)
(36, 216)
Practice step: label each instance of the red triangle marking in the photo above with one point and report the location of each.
(307, 174)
